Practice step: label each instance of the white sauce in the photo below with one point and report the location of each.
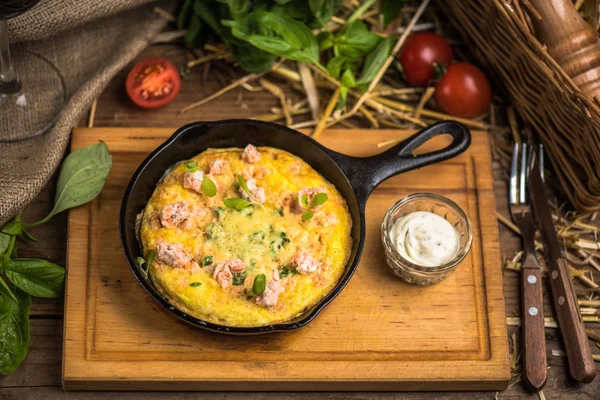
(425, 239)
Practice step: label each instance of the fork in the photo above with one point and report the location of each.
(534, 339)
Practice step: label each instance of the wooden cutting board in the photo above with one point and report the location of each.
(378, 334)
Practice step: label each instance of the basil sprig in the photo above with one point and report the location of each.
(81, 179)
(318, 200)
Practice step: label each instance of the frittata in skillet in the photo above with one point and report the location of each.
(245, 237)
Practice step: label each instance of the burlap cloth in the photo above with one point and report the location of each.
(89, 41)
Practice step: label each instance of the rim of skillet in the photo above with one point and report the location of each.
(296, 323)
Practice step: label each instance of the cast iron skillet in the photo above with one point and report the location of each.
(354, 177)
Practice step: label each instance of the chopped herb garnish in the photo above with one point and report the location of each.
(259, 235)
(280, 211)
(285, 238)
(207, 261)
(319, 199)
(190, 166)
(195, 284)
(260, 283)
(237, 203)
(140, 261)
(208, 187)
(243, 183)
(285, 271)
(305, 200)
(307, 215)
(238, 279)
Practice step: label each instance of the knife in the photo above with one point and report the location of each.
(579, 354)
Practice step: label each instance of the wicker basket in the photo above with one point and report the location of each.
(566, 121)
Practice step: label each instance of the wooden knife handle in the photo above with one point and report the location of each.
(579, 354)
(534, 335)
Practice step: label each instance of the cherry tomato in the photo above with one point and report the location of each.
(463, 91)
(419, 54)
(153, 83)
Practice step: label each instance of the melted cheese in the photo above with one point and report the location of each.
(265, 237)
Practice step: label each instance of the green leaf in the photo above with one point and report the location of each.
(355, 41)
(195, 284)
(207, 261)
(13, 228)
(193, 36)
(81, 178)
(185, 14)
(375, 60)
(5, 290)
(284, 272)
(37, 277)
(242, 182)
(4, 242)
(190, 166)
(305, 200)
(390, 10)
(334, 66)
(325, 40)
(347, 79)
(307, 215)
(276, 34)
(319, 199)
(238, 8)
(323, 10)
(238, 279)
(140, 261)
(236, 203)
(14, 331)
(260, 283)
(342, 99)
(27, 236)
(208, 187)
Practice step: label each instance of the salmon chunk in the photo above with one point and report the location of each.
(305, 263)
(173, 215)
(250, 154)
(223, 272)
(257, 194)
(173, 254)
(272, 291)
(217, 167)
(193, 180)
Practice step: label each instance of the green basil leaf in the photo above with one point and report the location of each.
(356, 40)
(307, 215)
(375, 60)
(278, 35)
(236, 203)
(195, 284)
(13, 228)
(249, 57)
(347, 79)
(325, 40)
(140, 261)
(208, 187)
(238, 8)
(27, 236)
(323, 10)
(305, 200)
(319, 199)
(342, 99)
(14, 331)
(208, 260)
(334, 66)
(81, 178)
(390, 10)
(190, 166)
(5, 290)
(37, 277)
(185, 14)
(194, 37)
(242, 182)
(4, 242)
(260, 283)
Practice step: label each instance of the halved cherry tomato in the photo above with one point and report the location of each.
(153, 83)
(419, 54)
(463, 91)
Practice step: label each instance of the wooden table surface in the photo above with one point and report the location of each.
(39, 377)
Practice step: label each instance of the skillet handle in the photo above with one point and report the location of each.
(366, 173)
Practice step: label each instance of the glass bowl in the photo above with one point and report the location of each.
(445, 208)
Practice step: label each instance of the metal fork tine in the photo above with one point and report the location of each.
(523, 174)
(513, 175)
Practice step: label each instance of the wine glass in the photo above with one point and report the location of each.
(32, 90)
